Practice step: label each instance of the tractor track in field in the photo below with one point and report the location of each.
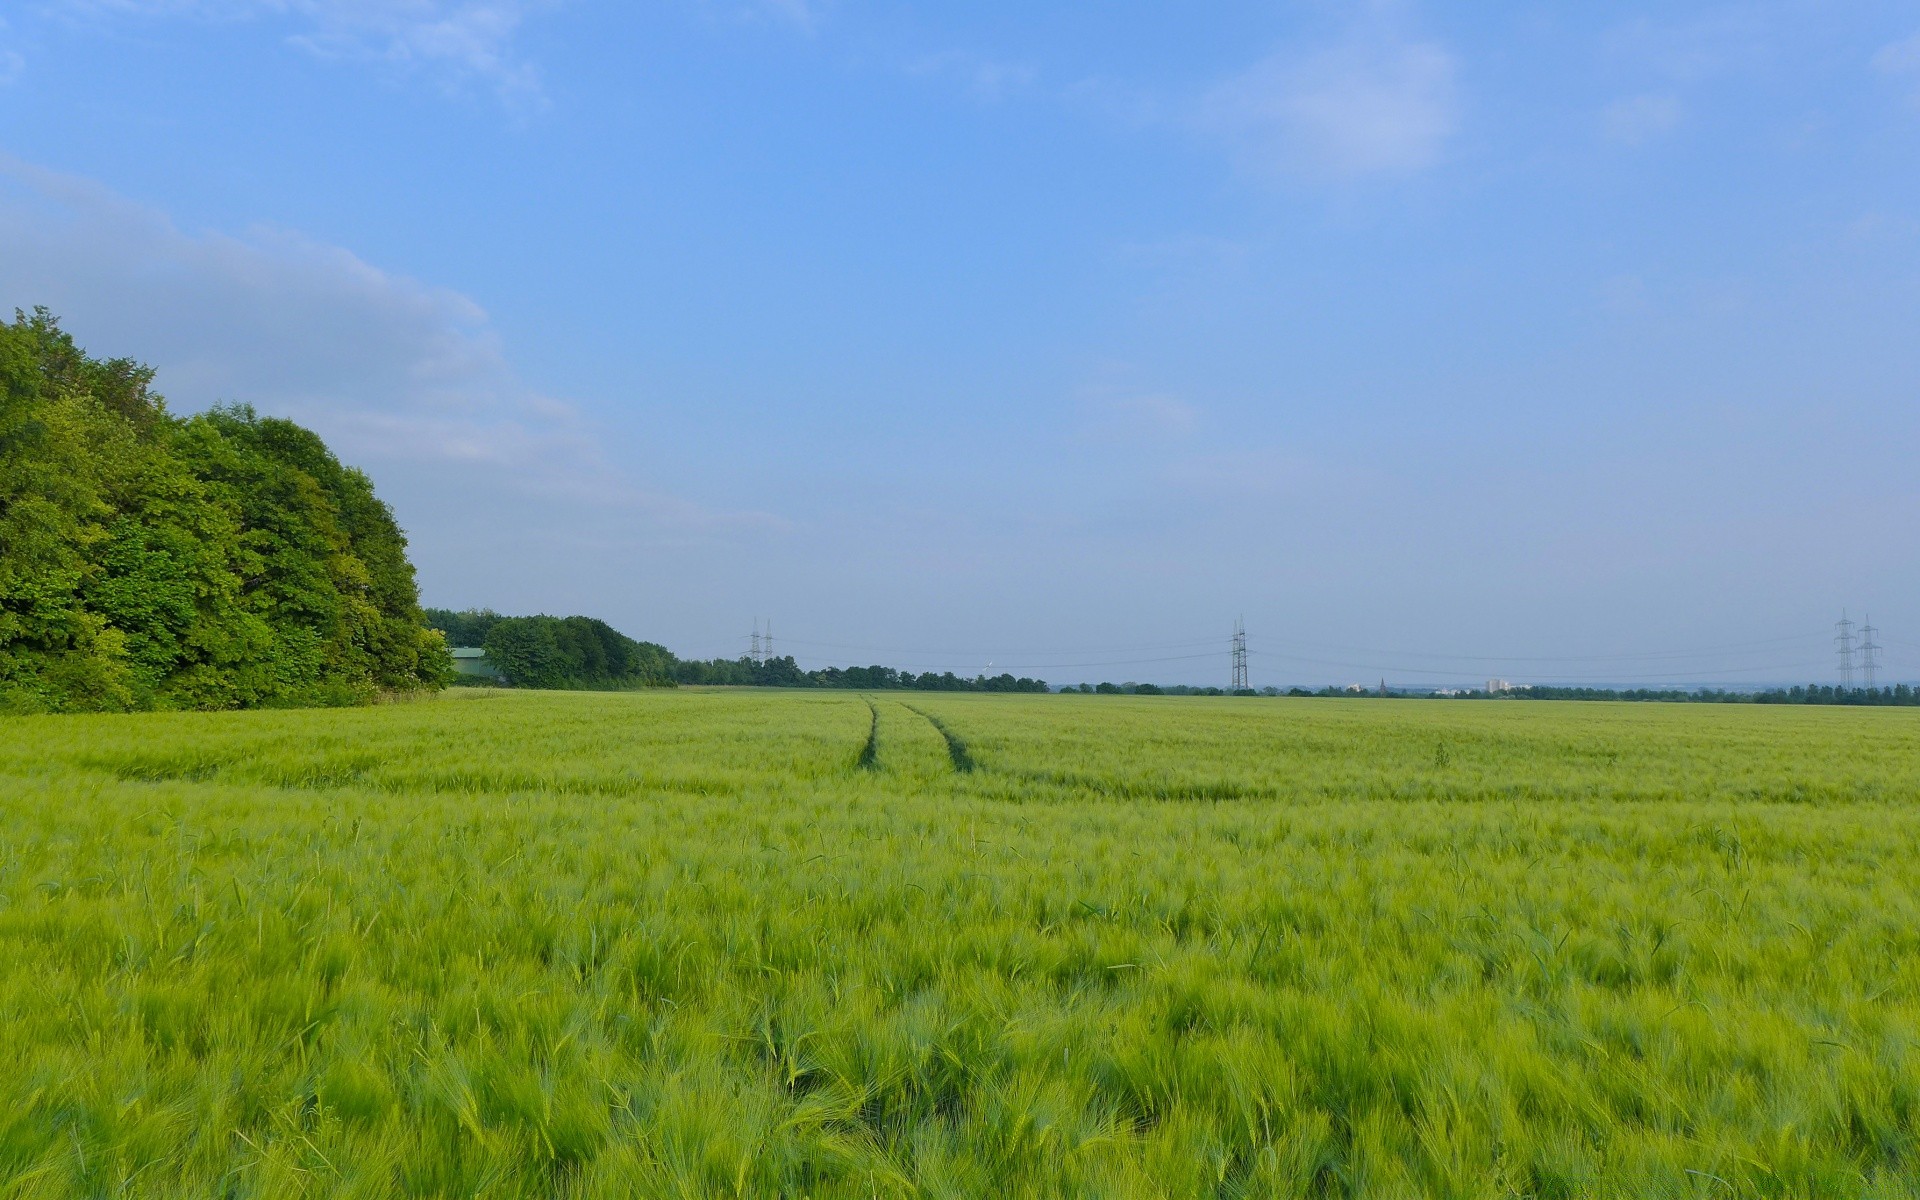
(870, 753)
(956, 748)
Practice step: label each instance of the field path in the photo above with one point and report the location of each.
(870, 753)
(956, 748)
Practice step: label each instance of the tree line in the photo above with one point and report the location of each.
(557, 652)
(562, 652)
(784, 672)
(220, 560)
(1899, 695)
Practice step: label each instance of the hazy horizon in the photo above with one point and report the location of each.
(1443, 342)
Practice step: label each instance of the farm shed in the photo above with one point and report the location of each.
(472, 660)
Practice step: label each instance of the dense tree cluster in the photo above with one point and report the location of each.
(214, 561)
(1901, 694)
(557, 652)
(784, 672)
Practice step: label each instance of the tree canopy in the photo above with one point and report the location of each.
(214, 561)
(784, 672)
(557, 652)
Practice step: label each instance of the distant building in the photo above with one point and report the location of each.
(1496, 686)
(473, 661)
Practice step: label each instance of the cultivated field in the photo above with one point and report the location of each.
(730, 943)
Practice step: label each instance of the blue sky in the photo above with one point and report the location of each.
(1440, 341)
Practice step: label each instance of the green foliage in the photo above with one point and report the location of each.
(730, 943)
(466, 628)
(784, 672)
(215, 561)
(557, 652)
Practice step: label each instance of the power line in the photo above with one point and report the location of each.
(1698, 663)
(1119, 662)
(1456, 673)
(1054, 651)
(1113, 655)
(1734, 648)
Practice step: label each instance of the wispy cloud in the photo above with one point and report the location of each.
(1902, 61)
(1376, 104)
(1148, 419)
(391, 370)
(1636, 120)
(11, 61)
(458, 41)
(985, 79)
(1692, 49)
(804, 13)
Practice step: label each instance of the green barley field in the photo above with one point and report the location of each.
(733, 943)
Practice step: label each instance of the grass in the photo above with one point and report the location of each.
(732, 943)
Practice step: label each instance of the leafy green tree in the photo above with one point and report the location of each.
(573, 652)
(468, 627)
(525, 651)
(152, 561)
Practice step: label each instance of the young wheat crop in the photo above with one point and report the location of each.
(732, 943)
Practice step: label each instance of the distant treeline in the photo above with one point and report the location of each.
(581, 652)
(213, 561)
(784, 672)
(557, 652)
(1900, 694)
(1896, 696)
(1154, 689)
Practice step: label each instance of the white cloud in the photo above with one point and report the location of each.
(1900, 56)
(458, 40)
(403, 377)
(11, 62)
(1378, 105)
(1636, 120)
(1690, 50)
(1151, 419)
(804, 13)
(986, 80)
(1902, 60)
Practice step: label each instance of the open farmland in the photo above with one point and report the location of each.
(744, 943)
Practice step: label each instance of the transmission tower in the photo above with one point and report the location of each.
(1843, 638)
(754, 653)
(766, 644)
(1868, 649)
(1240, 655)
